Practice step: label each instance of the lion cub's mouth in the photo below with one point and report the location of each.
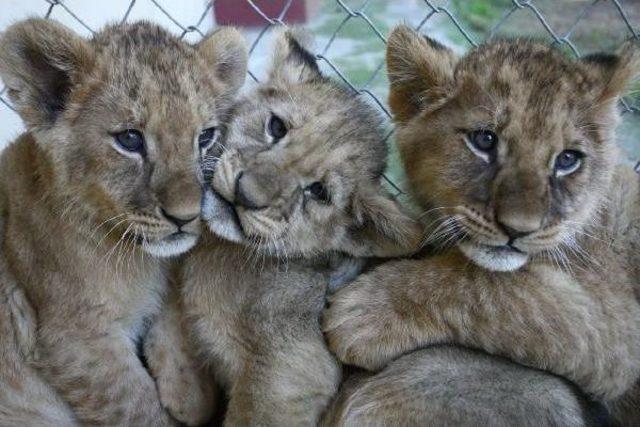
(494, 258)
(160, 239)
(222, 217)
(171, 245)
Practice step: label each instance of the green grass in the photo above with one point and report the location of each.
(480, 15)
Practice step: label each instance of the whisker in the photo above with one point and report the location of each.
(425, 213)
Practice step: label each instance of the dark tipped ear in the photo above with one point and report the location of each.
(381, 228)
(420, 72)
(226, 51)
(614, 72)
(40, 61)
(293, 61)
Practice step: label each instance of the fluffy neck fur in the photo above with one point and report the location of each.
(46, 235)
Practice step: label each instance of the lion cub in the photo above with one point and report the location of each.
(297, 185)
(100, 187)
(511, 150)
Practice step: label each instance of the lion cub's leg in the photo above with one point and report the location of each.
(456, 386)
(98, 372)
(541, 317)
(186, 388)
(287, 381)
(25, 399)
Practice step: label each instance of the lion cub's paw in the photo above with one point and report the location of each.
(186, 391)
(186, 396)
(361, 327)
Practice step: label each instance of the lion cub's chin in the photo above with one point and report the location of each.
(493, 258)
(170, 246)
(221, 217)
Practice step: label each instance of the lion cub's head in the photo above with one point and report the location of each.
(511, 146)
(301, 168)
(123, 119)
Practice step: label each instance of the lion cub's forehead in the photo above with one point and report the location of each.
(152, 75)
(533, 87)
(332, 129)
(523, 63)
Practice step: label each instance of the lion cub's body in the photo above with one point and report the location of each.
(85, 214)
(546, 261)
(297, 186)
(256, 321)
(81, 299)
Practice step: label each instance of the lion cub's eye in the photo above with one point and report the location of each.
(276, 128)
(131, 140)
(207, 137)
(482, 142)
(567, 162)
(318, 191)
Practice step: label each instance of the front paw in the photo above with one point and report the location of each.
(362, 328)
(187, 396)
(186, 391)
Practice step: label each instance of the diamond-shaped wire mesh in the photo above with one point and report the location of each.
(560, 22)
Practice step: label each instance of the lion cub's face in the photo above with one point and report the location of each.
(511, 146)
(301, 167)
(125, 117)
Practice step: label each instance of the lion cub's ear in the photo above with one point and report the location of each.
(614, 72)
(40, 61)
(226, 51)
(381, 227)
(293, 61)
(420, 72)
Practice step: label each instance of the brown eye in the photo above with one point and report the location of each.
(567, 162)
(131, 140)
(276, 127)
(318, 191)
(483, 140)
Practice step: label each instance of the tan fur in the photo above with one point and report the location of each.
(254, 299)
(80, 220)
(185, 385)
(570, 309)
(449, 386)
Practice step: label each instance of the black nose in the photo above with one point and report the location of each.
(241, 197)
(179, 222)
(513, 233)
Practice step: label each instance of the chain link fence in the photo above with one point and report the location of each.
(460, 17)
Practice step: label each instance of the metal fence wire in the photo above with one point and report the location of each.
(358, 13)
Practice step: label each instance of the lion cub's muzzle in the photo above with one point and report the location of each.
(174, 226)
(242, 205)
(500, 242)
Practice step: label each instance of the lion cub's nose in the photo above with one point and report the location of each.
(249, 192)
(179, 199)
(178, 221)
(513, 233)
